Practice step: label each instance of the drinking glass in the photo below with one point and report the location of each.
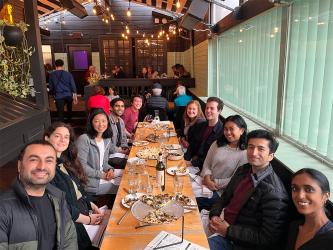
(177, 186)
(133, 184)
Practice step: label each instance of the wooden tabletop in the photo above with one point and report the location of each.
(125, 236)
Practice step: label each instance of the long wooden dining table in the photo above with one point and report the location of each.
(125, 235)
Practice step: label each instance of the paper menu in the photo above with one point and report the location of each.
(165, 238)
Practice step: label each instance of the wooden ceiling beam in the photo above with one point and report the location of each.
(48, 3)
(159, 4)
(44, 10)
(169, 5)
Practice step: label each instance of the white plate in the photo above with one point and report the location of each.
(140, 143)
(171, 171)
(127, 198)
(172, 146)
(136, 161)
(171, 134)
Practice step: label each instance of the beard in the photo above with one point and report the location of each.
(36, 183)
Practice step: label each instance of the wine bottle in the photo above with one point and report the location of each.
(160, 172)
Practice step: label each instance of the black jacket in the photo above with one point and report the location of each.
(262, 219)
(197, 150)
(18, 221)
(65, 184)
(322, 241)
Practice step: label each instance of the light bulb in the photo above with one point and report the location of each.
(178, 5)
(128, 13)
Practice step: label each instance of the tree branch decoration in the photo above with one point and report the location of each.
(14, 60)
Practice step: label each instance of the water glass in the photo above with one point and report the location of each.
(132, 183)
(177, 185)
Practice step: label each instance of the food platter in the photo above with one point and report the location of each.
(153, 138)
(150, 153)
(175, 155)
(172, 211)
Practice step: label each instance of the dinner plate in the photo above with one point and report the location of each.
(171, 171)
(140, 210)
(140, 143)
(127, 197)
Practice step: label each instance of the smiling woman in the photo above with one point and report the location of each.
(310, 192)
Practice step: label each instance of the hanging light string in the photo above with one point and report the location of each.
(107, 15)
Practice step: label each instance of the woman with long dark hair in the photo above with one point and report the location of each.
(94, 148)
(70, 178)
(224, 156)
(310, 191)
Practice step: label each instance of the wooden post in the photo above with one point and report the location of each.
(37, 66)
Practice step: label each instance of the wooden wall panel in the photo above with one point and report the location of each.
(18, 10)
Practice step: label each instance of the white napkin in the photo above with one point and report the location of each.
(198, 188)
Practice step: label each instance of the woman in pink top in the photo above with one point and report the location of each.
(99, 100)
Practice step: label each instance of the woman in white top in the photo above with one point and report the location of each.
(94, 148)
(225, 155)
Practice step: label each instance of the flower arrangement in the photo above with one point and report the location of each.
(15, 62)
(93, 78)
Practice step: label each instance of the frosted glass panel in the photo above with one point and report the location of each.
(248, 66)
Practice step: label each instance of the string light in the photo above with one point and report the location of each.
(128, 12)
(178, 4)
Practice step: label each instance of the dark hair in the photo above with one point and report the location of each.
(90, 128)
(220, 103)
(35, 142)
(316, 175)
(261, 133)
(136, 96)
(239, 121)
(113, 102)
(69, 156)
(59, 63)
(98, 90)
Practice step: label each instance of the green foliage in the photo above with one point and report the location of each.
(15, 64)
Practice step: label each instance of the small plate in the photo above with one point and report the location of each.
(172, 170)
(127, 197)
(140, 143)
(171, 134)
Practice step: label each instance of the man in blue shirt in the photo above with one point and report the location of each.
(62, 87)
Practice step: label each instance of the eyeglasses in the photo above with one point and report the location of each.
(120, 106)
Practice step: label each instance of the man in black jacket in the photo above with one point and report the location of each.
(252, 211)
(34, 214)
(205, 133)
